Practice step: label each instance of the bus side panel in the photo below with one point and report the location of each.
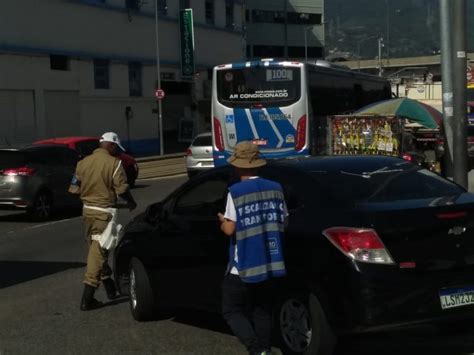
(336, 92)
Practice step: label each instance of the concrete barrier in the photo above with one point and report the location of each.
(160, 166)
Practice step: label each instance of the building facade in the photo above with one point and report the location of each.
(82, 67)
(287, 29)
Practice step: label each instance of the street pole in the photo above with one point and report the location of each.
(158, 82)
(380, 55)
(447, 84)
(306, 44)
(387, 39)
(459, 91)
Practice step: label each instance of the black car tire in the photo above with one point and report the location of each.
(191, 174)
(42, 208)
(142, 299)
(305, 309)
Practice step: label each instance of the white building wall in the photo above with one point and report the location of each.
(54, 103)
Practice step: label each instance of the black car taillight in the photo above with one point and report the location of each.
(358, 244)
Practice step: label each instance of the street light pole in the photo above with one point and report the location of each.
(459, 92)
(158, 81)
(380, 55)
(306, 41)
(447, 83)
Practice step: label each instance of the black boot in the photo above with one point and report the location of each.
(110, 289)
(88, 302)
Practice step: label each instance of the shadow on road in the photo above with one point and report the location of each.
(22, 217)
(15, 272)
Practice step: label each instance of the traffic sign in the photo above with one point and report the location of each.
(470, 74)
(160, 94)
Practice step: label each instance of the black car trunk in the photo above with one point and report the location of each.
(439, 236)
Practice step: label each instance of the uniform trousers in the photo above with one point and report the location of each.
(247, 308)
(98, 268)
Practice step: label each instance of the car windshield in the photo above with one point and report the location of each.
(12, 159)
(400, 181)
(202, 141)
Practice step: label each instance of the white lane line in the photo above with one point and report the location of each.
(51, 223)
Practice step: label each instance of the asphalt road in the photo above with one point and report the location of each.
(41, 270)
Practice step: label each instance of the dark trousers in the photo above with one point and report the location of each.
(247, 308)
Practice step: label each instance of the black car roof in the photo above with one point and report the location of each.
(338, 162)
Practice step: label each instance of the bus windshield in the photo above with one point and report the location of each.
(263, 85)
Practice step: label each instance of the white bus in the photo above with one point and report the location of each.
(280, 105)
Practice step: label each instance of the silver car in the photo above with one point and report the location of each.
(36, 179)
(199, 154)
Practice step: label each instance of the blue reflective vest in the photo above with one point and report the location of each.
(260, 207)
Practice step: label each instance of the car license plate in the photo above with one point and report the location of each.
(456, 297)
(206, 163)
(260, 142)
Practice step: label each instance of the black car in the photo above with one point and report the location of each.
(373, 243)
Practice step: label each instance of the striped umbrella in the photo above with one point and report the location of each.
(413, 110)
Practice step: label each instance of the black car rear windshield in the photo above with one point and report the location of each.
(204, 141)
(259, 85)
(12, 159)
(402, 181)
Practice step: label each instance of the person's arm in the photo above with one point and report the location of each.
(75, 186)
(229, 218)
(227, 226)
(121, 186)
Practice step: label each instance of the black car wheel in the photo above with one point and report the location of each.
(42, 207)
(142, 302)
(301, 326)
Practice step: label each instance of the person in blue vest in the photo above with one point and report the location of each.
(255, 219)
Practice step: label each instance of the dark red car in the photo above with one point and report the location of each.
(86, 145)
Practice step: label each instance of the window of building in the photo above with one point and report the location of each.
(132, 4)
(59, 62)
(162, 8)
(268, 51)
(304, 18)
(101, 73)
(135, 78)
(184, 4)
(268, 16)
(247, 15)
(229, 14)
(210, 12)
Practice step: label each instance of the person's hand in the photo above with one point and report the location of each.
(131, 205)
(221, 217)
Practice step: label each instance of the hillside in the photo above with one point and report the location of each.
(412, 26)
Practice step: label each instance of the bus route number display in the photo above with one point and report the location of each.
(279, 75)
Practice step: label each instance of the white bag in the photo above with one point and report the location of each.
(110, 237)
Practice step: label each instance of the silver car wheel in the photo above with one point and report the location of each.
(133, 289)
(295, 325)
(43, 206)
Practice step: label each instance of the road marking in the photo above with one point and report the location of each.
(51, 223)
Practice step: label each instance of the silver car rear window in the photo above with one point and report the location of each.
(12, 159)
(204, 141)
